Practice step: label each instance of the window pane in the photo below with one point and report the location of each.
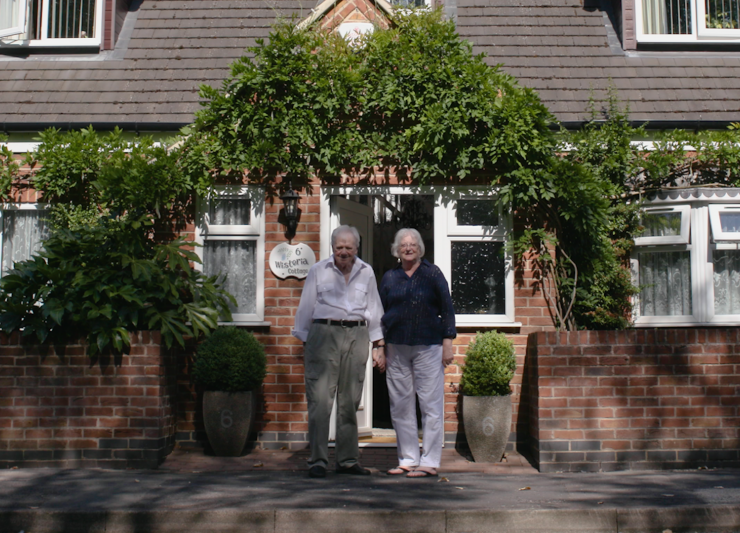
(237, 261)
(23, 231)
(477, 213)
(478, 278)
(71, 19)
(230, 211)
(667, 17)
(661, 224)
(730, 221)
(726, 282)
(665, 284)
(723, 14)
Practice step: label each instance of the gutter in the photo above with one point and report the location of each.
(690, 125)
(136, 127)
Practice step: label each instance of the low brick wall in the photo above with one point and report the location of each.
(629, 400)
(60, 407)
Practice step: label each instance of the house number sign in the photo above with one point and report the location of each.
(291, 260)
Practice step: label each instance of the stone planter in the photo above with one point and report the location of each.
(487, 422)
(228, 418)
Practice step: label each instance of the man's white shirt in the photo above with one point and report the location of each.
(326, 295)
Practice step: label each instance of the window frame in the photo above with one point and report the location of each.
(701, 248)
(699, 31)
(445, 198)
(682, 238)
(254, 232)
(46, 42)
(15, 207)
(19, 25)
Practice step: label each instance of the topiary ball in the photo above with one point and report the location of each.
(490, 364)
(230, 360)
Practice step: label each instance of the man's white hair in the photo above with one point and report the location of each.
(345, 230)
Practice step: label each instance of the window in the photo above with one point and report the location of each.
(472, 254)
(231, 233)
(665, 21)
(22, 230)
(51, 22)
(688, 270)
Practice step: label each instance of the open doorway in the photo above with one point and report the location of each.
(390, 212)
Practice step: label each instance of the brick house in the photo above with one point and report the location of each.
(138, 66)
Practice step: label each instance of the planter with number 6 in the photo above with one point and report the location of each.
(230, 365)
(490, 364)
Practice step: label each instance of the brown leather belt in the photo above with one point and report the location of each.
(343, 323)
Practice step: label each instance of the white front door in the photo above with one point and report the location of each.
(345, 212)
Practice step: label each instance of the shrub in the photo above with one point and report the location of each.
(230, 360)
(489, 365)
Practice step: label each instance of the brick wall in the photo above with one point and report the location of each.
(637, 399)
(60, 407)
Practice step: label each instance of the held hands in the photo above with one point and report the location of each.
(379, 358)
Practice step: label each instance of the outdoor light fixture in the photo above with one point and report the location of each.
(290, 210)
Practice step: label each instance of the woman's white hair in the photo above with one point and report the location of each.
(405, 232)
(345, 230)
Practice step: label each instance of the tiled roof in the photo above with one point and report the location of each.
(563, 51)
(557, 47)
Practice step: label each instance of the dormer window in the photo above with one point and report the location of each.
(51, 22)
(671, 21)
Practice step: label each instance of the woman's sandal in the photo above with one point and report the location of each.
(419, 473)
(399, 471)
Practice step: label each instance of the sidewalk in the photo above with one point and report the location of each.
(270, 492)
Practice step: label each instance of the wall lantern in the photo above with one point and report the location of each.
(290, 210)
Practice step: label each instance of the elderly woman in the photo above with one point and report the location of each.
(418, 326)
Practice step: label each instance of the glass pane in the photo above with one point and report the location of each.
(237, 261)
(408, 3)
(661, 224)
(230, 211)
(477, 213)
(10, 15)
(478, 278)
(730, 221)
(726, 282)
(667, 17)
(23, 231)
(723, 14)
(71, 19)
(665, 284)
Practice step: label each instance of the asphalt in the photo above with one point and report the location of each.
(271, 496)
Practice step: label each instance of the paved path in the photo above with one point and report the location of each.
(284, 500)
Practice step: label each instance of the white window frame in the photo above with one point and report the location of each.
(446, 231)
(255, 232)
(17, 39)
(15, 207)
(699, 31)
(715, 212)
(682, 238)
(703, 242)
(18, 26)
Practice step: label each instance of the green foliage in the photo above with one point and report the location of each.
(412, 97)
(105, 280)
(101, 273)
(230, 360)
(490, 364)
(9, 169)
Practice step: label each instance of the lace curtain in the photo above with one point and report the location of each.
(726, 282)
(665, 284)
(654, 17)
(237, 261)
(23, 231)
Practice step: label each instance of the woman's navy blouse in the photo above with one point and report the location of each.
(418, 309)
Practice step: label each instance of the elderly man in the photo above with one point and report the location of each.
(339, 314)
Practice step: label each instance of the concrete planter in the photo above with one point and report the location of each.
(228, 418)
(487, 422)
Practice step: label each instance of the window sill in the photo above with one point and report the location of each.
(487, 324)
